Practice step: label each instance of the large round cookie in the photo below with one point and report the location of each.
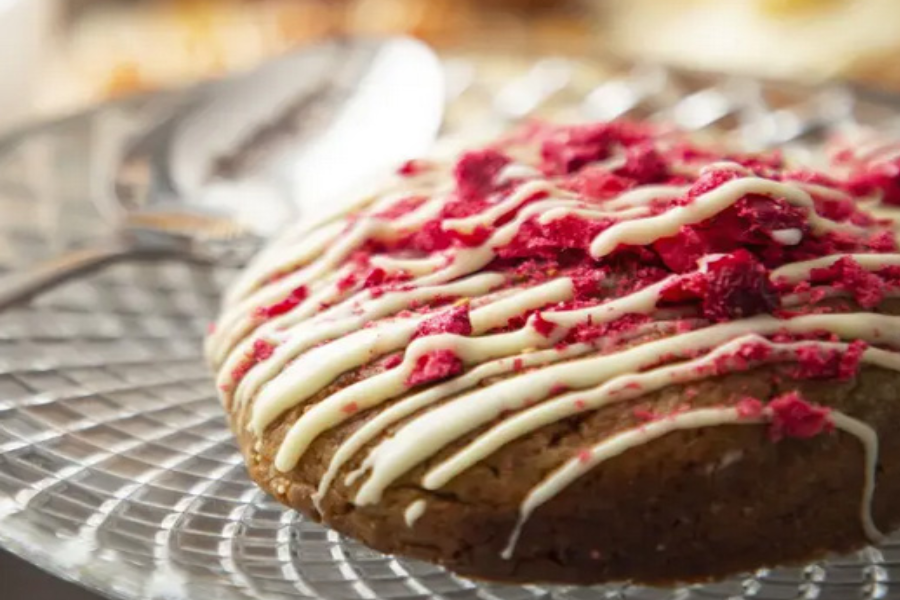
(582, 354)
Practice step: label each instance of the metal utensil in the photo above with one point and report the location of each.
(230, 162)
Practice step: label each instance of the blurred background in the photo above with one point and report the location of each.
(57, 56)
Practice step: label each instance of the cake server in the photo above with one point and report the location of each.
(224, 165)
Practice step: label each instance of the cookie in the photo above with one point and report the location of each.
(584, 353)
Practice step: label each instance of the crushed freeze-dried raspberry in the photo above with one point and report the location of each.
(738, 286)
(596, 183)
(733, 286)
(434, 366)
(644, 414)
(548, 240)
(568, 149)
(846, 274)
(794, 417)
(402, 207)
(543, 326)
(393, 360)
(262, 349)
(297, 296)
(476, 172)
(454, 320)
(816, 362)
(413, 167)
(882, 178)
(749, 408)
(644, 165)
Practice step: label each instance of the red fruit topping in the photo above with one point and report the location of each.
(734, 286)
(401, 207)
(548, 240)
(816, 362)
(846, 274)
(262, 349)
(476, 173)
(413, 167)
(210, 329)
(710, 179)
(794, 417)
(434, 366)
(586, 281)
(350, 408)
(746, 357)
(584, 456)
(644, 165)
(883, 178)
(393, 360)
(557, 389)
(568, 149)
(543, 326)
(749, 408)
(749, 224)
(432, 237)
(596, 183)
(737, 286)
(297, 296)
(645, 414)
(588, 332)
(518, 365)
(455, 320)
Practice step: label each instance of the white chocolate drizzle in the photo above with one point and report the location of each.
(514, 381)
(414, 512)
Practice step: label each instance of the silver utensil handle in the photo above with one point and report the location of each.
(19, 286)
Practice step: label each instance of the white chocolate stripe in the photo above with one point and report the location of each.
(644, 195)
(641, 232)
(235, 322)
(329, 326)
(280, 257)
(273, 329)
(428, 434)
(513, 202)
(558, 213)
(620, 389)
(314, 370)
(416, 402)
(414, 512)
(492, 315)
(374, 390)
(800, 271)
(695, 419)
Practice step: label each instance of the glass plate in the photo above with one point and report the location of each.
(117, 469)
